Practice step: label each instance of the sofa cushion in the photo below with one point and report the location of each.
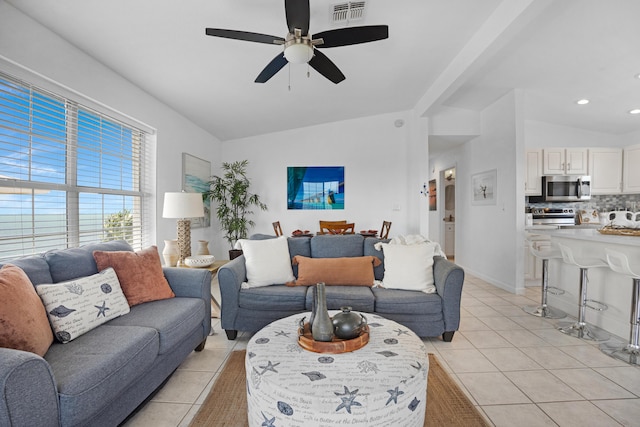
(140, 274)
(370, 250)
(299, 246)
(354, 271)
(173, 319)
(277, 297)
(406, 302)
(36, 268)
(267, 261)
(336, 246)
(77, 306)
(409, 267)
(94, 369)
(68, 264)
(23, 318)
(359, 298)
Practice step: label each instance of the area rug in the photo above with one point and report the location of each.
(226, 404)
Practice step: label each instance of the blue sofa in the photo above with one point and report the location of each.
(102, 376)
(428, 315)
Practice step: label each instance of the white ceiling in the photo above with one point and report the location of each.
(572, 49)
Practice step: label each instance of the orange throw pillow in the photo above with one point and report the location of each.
(140, 274)
(354, 271)
(24, 321)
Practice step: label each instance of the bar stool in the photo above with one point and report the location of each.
(629, 353)
(580, 329)
(543, 310)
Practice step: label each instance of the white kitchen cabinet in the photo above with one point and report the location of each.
(605, 169)
(533, 179)
(565, 161)
(631, 169)
(450, 239)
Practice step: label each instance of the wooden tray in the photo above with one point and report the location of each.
(619, 231)
(306, 341)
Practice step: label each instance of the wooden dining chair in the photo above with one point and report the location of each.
(324, 224)
(384, 231)
(277, 228)
(339, 228)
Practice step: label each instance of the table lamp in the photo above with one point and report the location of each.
(183, 206)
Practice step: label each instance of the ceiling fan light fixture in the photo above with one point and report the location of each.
(298, 53)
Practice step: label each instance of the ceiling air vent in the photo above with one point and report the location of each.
(343, 13)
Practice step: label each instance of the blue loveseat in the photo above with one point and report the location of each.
(428, 315)
(102, 376)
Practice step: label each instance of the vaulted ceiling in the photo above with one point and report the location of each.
(563, 51)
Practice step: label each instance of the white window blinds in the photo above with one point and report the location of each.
(69, 175)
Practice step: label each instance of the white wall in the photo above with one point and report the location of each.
(487, 242)
(542, 134)
(374, 153)
(24, 41)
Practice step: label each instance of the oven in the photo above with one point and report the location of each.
(553, 216)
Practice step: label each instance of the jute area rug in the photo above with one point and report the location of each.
(226, 404)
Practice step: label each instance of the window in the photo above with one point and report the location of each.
(69, 175)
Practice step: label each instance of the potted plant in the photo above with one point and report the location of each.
(234, 202)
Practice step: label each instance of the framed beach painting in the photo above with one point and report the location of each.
(315, 187)
(196, 173)
(484, 187)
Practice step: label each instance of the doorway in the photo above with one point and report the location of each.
(448, 190)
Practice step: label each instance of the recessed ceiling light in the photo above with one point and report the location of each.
(637, 76)
(635, 111)
(582, 101)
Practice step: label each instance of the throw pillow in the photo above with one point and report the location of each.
(355, 271)
(24, 321)
(140, 274)
(267, 262)
(77, 306)
(409, 267)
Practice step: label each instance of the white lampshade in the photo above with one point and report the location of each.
(183, 205)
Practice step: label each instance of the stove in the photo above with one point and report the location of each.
(553, 216)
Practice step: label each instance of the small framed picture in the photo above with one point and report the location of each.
(485, 187)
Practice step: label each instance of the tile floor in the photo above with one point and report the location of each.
(517, 368)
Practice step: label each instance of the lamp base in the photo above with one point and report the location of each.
(184, 239)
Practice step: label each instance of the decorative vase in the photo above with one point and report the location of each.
(171, 253)
(322, 328)
(203, 248)
(314, 298)
(348, 325)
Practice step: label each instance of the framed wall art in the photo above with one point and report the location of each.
(484, 187)
(196, 173)
(315, 187)
(432, 195)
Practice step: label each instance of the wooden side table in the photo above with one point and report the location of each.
(213, 268)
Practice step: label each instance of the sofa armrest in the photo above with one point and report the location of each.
(449, 278)
(29, 391)
(192, 283)
(230, 278)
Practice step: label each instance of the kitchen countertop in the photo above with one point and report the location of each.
(592, 235)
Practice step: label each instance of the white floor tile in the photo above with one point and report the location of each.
(542, 386)
(492, 388)
(517, 415)
(577, 414)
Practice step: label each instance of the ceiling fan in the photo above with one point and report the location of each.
(301, 47)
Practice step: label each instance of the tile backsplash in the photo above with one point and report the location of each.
(603, 203)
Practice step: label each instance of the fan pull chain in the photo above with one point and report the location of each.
(289, 68)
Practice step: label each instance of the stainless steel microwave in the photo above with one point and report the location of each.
(566, 188)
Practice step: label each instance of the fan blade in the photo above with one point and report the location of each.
(352, 35)
(324, 66)
(272, 68)
(244, 35)
(297, 12)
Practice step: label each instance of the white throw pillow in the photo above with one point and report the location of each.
(77, 306)
(409, 267)
(267, 261)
